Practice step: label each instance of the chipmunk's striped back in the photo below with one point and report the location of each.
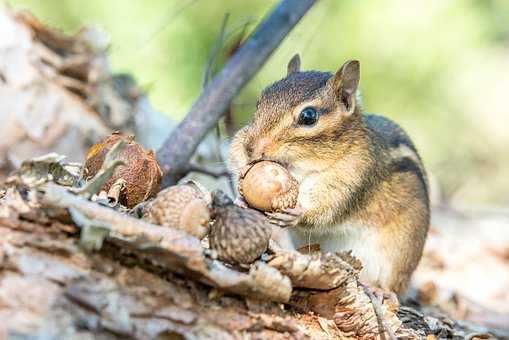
(401, 148)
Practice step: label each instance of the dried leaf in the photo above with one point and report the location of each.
(48, 168)
(107, 169)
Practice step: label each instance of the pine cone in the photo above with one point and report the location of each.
(238, 235)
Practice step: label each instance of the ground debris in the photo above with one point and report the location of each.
(148, 280)
(101, 283)
(70, 294)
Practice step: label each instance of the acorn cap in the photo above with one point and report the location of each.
(268, 186)
(183, 207)
(239, 235)
(141, 171)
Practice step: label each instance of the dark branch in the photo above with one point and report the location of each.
(180, 145)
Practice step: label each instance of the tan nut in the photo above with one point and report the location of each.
(183, 207)
(268, 186)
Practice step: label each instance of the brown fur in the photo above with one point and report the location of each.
(364, 168)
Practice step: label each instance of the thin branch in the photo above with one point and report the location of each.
(205, 171)
(213, 102)
(215, 50)
(169, 17)
(208, 75)
(382, 325)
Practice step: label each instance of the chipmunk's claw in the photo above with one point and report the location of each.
(286, 218)
(241, 202)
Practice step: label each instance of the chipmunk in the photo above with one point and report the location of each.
(362, 185)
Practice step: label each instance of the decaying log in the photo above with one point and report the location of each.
(52, 289)
(320, 271)
(216, 97)
(50, 85)
(334, 292)
(174, 248)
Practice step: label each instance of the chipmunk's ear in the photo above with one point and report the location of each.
(294, 64)
(345, 82)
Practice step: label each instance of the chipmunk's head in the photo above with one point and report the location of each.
(303, 120)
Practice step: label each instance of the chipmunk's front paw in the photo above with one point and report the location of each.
(287, 218)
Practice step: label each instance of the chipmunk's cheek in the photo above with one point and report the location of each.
(306, 184)
(305, 198)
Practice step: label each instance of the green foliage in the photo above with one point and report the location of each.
(422, 61)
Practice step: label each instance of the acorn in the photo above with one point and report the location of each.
(268, 186)
(183, 206)
(141, 172)
(238, 235)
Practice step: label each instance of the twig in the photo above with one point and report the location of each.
(382, 325)
(213, 102)
(215, 50)
(220, 157)
(206, 79)
(242, 27)
(205, 171)
(229, 121)
(168, 18)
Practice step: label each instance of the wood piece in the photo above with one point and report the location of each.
(175, 249)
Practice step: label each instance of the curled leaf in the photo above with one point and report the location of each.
(48, 168)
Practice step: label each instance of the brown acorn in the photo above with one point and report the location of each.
(183, 206)
(141, 171)
(268, 186)
(238, 235)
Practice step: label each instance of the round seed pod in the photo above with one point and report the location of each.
(268, 186)
(141, 172)
(181, 206)
(238, 235)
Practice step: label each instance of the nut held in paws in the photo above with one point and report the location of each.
(268, 186)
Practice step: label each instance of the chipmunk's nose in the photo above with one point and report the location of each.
(260, 148)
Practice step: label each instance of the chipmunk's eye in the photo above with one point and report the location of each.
(308, 116)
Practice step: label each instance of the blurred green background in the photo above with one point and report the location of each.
(440, 68)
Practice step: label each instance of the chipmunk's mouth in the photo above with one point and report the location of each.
(283, 163)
